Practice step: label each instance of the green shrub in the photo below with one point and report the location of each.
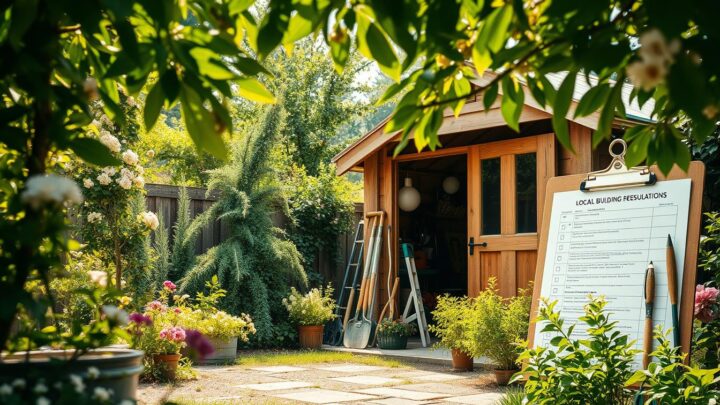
(454, 323)
(500, 325)
(183, 247)
(255, 263)
(314, 308)
(668, 380)
(578, 371)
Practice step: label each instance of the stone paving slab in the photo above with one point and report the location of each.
(368, 380)
(276, 386)
(442, 388)
(487, 398)
(438, 377)
(402, 393)
(320, 396)
(279, 369)
(397, 401)
(352, 368)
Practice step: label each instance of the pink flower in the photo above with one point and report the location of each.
(155, 306)
(177, 310)
(705, 301)
(200, 347)
(140, 319)
(169, 285)
(174, 333)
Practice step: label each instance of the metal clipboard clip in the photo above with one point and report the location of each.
(618, 175)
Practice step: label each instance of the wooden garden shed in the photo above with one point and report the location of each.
(486, 227)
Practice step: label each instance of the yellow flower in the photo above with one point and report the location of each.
(125, 300)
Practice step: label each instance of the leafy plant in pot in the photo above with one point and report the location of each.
(222, 329)
(453, 318)
(500, 324)
(393, 334)
(310, 312)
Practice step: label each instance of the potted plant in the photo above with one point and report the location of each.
(221, 328)
(393, 334)
(310, 312)
(453, 318)
(500, 325)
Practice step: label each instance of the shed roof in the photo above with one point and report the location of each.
(474, 117)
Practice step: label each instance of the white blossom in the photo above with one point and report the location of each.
(149, 219)
(109, 170)
(19, 383)
(93, 373)
(106, 120)
(130, 157)
(98, 277)
(110, 141)
(655, 49)
(42, 401)
(94, 217)
(125, 172)
(104, 179)
(88, 183)
(96, 124)
(150, 154)
(140, 169)
(115, 314)
(139, 181)
(124, 182)
(646, 75)
(77, 383)
(101, 394)
(40, 388)
(50, 189)
(6, 389)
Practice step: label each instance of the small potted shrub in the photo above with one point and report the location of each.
(393, 334)
(310, 312)
(500, 325)
(222, 329)
(453, 319)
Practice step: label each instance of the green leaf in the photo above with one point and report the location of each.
(94, 152)
(491, 37)
(200, 124)
(210, 64)
(272, 29)
(561, 105)
(23, 14)
(490, 96)
(512, 102)
(592, 100)
(153, 105)
(340, 52)
(373, 44)
(607, 115)
(637, 148)
(252, 89)
(401, 118)
(298, 27)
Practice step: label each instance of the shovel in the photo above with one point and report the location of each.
(350, 337)
(357, 335)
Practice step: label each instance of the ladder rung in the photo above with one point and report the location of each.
(359, 241)
(354, 264)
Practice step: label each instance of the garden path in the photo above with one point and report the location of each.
(347, 382)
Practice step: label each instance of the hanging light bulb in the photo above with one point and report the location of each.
(408, 197)
(451, 185)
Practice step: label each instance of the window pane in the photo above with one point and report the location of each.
(490, 183)
(526, 192)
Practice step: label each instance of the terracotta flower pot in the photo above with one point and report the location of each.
(461, 361)
(167, 365)
(311, 336)
(502, 377)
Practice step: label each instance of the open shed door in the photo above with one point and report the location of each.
(506, 191)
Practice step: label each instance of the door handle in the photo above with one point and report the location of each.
(472, 245)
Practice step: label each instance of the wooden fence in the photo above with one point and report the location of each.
(163, 200)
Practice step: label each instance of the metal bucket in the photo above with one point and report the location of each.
(119, 369)
(225, 351)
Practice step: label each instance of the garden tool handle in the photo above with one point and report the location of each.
(647, 341)
(368, 295)
(393, 297)
(348, 309)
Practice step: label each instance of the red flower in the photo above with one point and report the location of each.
(705, 303)
(169, 285)
(140, 319)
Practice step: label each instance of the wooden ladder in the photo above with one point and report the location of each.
(415, 297)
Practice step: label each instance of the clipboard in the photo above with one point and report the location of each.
(619, 176)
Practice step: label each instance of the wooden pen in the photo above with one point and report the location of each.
(649, 301)
(671, 265)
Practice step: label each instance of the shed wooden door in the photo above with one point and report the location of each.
(506, 181)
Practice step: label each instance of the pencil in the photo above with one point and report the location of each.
(649, 301)
(671, 265)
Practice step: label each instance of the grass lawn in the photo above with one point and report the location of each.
(278, 358)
